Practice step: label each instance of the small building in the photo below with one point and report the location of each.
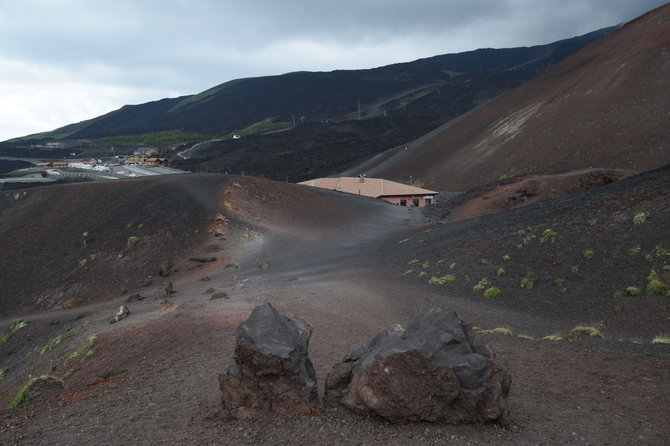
(390, 191)
(139, 158)
(156, 162)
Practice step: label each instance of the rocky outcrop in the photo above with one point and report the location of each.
(428, 372)
(271, 371)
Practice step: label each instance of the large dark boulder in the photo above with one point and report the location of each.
(428, 372)
(271, 371)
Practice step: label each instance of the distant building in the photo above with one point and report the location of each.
(139, 158)
(390, 191)
(155, 162)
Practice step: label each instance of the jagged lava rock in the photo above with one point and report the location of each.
(428, 372)
(271, 371)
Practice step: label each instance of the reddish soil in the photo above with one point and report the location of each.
(605, 106)
(153, 376)
(530, 189)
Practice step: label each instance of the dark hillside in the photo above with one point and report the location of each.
(606, 106)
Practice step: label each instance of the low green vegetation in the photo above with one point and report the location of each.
(583, 331)
(661, 339)
(553, 337)
(528, 281)
(548, 235)
(405, 240)
(449, 278)
(635, 250)
(266, 125)
(633, 291)
(3, 373)
(413, 262)
(132, 241)
(33, 387)
(18, 324)
(640, 218)
(481, 285)
(525, 336)
(85, 351)
(499, 331)
(53, 343)
(501, 272)
(656, 285)
(162, 140)
(486, 262)
(588, 254)
(4, 338)
(408, 272)
(493, 293)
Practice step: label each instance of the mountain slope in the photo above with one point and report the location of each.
(452, 83)
(605, 106)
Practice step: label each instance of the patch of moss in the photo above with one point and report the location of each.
(493, 293)
(34, 387)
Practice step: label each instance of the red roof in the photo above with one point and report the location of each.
(368, 187)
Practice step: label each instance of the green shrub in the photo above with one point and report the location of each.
(85, 350)
(635, 250)
(413, 262)
(574, 268)
(3, 373)
(18, 324)
(423, 273)
(33, 388)
(554, 337)
(132, 241)
(501, 272)
(528, 281)
(425, 265)
(661, 339)
(53, 343)
(588, 254)
(548, 235)
(640, 218)
(405, 240)
(582, 331)
(633, 291)
(493, 293)
(559, 282)
(449, 278)
(656, 287)
(4, 338)
(485, 262)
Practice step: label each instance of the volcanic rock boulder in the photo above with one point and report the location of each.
(428, 372)
(271, 371)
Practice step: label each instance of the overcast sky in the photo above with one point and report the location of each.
(63, 61)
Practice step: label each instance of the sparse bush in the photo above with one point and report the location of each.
(3, 373)
(588, 254)
(640, 218)
(405, 240)
(440, 262)
(493, 293)
(132, 241)
(413, 262)
(453, 265)
(574, 268)
(592, 222)
(506, 258)
(83, 262)
(423, 273)
(617, 294)
(85, 350)
(408, 272)
(661, 339)
(525, 336)
(554, 337)
(656, 287)
(499, 330)
(635, 250)
(559, 282)
(18, 324)
(501, 272)
(529, 281)
(481, 285)
(548, 235)
(425, 265)
(34, 387)
(633, 291)
(449, 278)
(661, 251)
(583, 331)
(485, 262)
(4, 338)
(53, 343)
